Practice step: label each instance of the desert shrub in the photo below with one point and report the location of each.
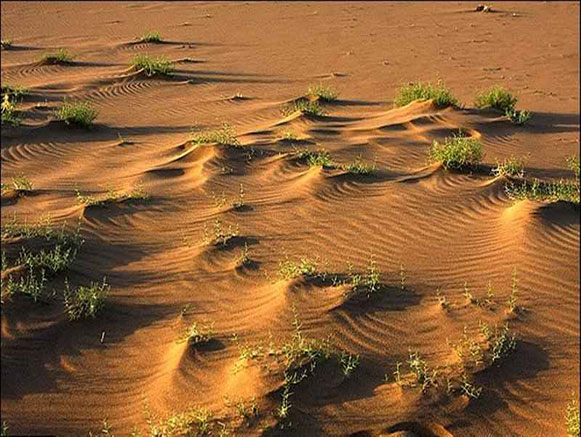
(6, 44)
(324, 93)
(509, 167)
(498, 98)
(151, 36)
(61, 56)
(572, 417)
(552, 191)
(152, 66)
(288, 269)
(457, 152)
(573, 163)
(85, 302)
(304, 106)
(359, 167)
(224, 135)
(77, 113)
(196, 334)
(8, 110)
(518, 117)
(439, 93)
(15, 92)
(316, 158)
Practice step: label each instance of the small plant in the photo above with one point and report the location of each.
(219, 235)
(15, 92)
(244, 257)
(6, 44)
(359, 167)
(397, 374)
(348, 363)
(518, 117)
(572, 417)
(5, 429)
(85, 302)
(288, 269)
(368, 283)
(304, 107)
(573, 164)
(468, 295)
(419, 368)
(196, 335)
(288, 136)
(439, 93)
(315, 158)
(469, 389)
(8, 110)
(21, 183)
(77, 113)
(151, 36)
(225, 135)
(511, 303)
(512, 166)
(552, 191)
(457, 152)
(138, 193)
(240, 202)
(61, 56)
(324, 93)
(498, 98)
(443, 301)
(285, 405)
(152, 66)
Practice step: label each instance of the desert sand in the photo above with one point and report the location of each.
(425, 230)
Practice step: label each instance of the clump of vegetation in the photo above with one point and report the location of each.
(288, 269)
(220, 235)
(537, 190)
(367, 283)
(518, 117)
(192, 422)
(498, 98)
(239, 203)
(512, 166)
(21, 183)
(359, 167)
(573, 163)
(224, 135)
(151, 37)
(572, 417)
(77, 113)
(15, 92)
(8, 111)
(304, 106)
(85, 302)
(322, 92)
(288, 136)
(6, 44)
(61, 56)
(152, 66)
(457, 152)
(439, 93)
(196, 334)
(315, 158)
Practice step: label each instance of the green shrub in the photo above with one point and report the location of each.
(324, 93)
(61, 56)
(77, 113)
(316, 158)
(15, 92)
(359, 167)
(9, 113)
(552, 191)
(509, 167)
(303, 106)
(457, 152)
(151, 36)
(518, 117)
(573, 164)
(224, 135)
(439, 93)
(85, 301)
(572, 418)
(498, 98)
(152, 66)
(6, 43)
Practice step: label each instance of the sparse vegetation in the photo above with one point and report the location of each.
(151, 37)
(8, 110)
(84, 302)
(77, 113)
(359, 167)
(21, 183)
(219, 235)
(15, 92)
(537, 190)
(6, 44)
(224, 135)
(572, 417)
(315, 158)
(152, 66)
(239, 203)
(498, 98)
(439, 93)
(457, 152)
(322, 92)
(573, 164)
(512, 166)
(288, 269)
(61, 56)
(518, 117)
(196, 334)
(304, 106)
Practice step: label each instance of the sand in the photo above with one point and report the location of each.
(439, 229)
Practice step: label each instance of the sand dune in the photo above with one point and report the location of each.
(208, 241)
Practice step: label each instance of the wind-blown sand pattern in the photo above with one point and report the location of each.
(429, 230)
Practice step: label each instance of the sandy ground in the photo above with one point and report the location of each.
(439, 229)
